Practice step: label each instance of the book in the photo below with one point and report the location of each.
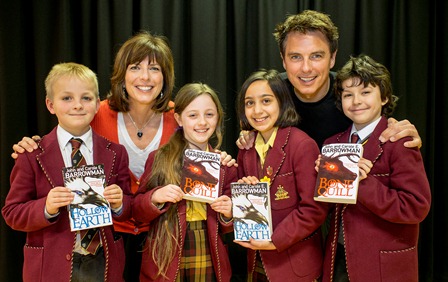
(251, 206)
(200, 175)
(89, 208)
(338, 175)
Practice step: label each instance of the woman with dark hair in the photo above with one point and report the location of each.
(138, 114)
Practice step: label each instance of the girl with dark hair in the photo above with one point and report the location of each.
(283, 156)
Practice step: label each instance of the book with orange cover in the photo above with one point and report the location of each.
(200, 175)
(338, 175)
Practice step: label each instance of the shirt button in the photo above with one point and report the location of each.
(68, 256)
(136, 229)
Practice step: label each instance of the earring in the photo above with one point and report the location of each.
(161, 95)
(125, 94)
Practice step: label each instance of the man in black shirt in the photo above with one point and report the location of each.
(320, 119)
(308, 44)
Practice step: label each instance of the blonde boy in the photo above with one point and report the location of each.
(37, 200)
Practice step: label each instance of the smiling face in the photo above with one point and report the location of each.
(143, 82)
(307, 60)
(199, 120)
(362, 104)
(74, 102)
(261, 108)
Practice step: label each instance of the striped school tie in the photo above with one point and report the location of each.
(90, 238)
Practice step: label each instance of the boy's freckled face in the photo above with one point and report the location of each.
(74, 103)
(362, 104)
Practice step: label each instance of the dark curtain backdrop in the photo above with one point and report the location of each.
(220, 42)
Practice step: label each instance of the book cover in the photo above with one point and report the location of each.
(251, 206)
(338, 176)
(200, 175)
(89, 209)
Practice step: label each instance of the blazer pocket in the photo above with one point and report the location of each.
(33, 263)
(283, 193)
(399, 265)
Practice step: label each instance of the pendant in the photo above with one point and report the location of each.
(139, 134)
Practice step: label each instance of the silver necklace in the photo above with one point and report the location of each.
(140, 130)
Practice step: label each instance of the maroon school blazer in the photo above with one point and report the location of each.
(49, 244)
(296, 216)
(381, 229)
(144, 211)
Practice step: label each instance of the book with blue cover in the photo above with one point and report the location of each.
(89, 208)
(251, 207)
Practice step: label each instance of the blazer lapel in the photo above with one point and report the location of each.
(343, 136)
(50, 159)
(276, 155)
(250, 161)
(373, 148)
(102, 154)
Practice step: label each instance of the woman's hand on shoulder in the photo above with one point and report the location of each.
(27, 143)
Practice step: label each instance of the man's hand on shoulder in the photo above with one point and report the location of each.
(245, 140)
(399, 129)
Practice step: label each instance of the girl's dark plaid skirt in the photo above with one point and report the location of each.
(196, 263)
